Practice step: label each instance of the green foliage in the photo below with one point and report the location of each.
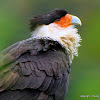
(85, 73)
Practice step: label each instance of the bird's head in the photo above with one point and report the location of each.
(68, 20)
(58, 25)
(57, 16)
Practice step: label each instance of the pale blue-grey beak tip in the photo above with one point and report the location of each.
(76, 20)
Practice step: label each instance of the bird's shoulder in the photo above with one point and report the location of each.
(34, 64)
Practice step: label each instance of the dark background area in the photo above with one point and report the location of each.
(85, 70)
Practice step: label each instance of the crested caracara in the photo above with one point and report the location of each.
(38, 68)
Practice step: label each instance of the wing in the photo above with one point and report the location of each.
(30, 70)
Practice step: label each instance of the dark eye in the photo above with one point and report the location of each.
(57, 19)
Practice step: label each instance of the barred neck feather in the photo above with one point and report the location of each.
(67, 37)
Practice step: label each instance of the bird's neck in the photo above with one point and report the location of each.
(67, 37)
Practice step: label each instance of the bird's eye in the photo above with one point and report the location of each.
(57, 19)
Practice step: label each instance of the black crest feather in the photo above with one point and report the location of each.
(47, 18)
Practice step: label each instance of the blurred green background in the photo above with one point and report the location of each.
(85, 70)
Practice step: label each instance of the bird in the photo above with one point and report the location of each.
(38, 68)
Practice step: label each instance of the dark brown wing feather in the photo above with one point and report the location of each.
(39, 75)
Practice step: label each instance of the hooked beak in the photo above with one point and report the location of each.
(76, 20)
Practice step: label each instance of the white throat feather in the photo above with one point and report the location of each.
(67, 37)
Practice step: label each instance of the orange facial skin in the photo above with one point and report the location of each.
(64, 21)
